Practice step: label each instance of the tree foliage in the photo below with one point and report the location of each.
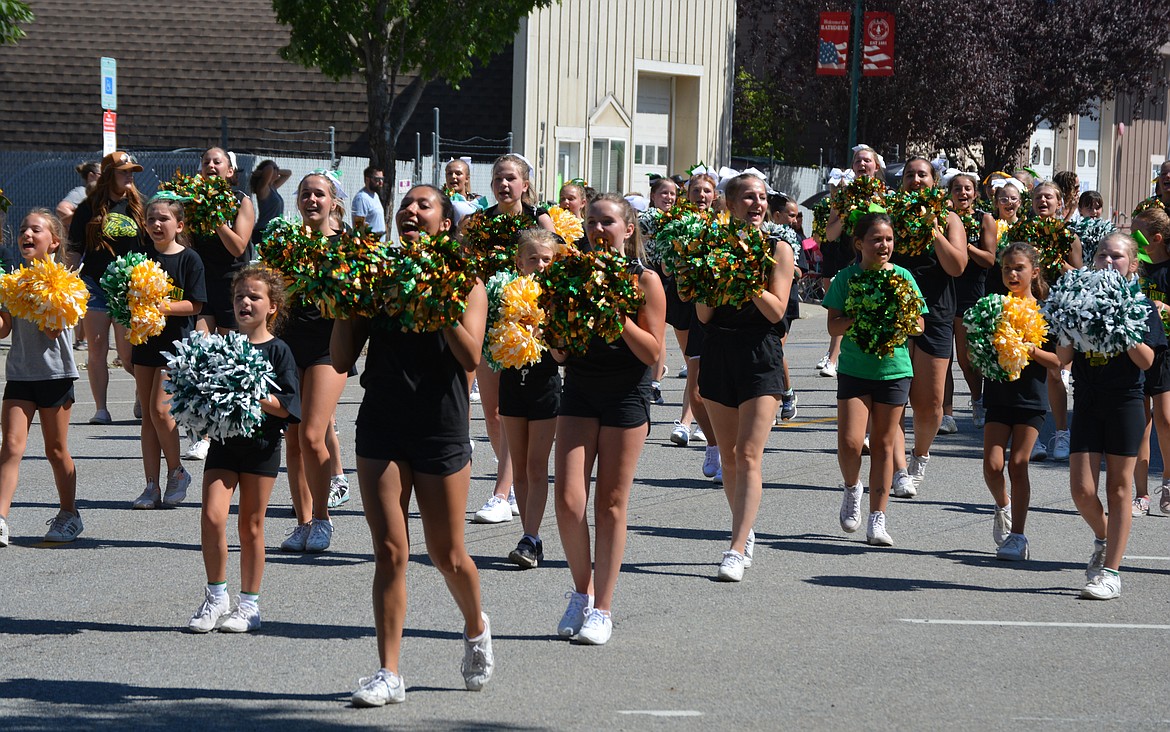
(967, 72)
(12, 14)
(398, 46)
(760, 121)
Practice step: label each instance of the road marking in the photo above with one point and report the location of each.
(1024, 624)
(1153, 559)
(822, 420)
(664, 712)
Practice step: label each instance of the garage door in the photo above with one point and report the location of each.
(651, 136)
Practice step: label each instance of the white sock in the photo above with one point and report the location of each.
(246, 598)
(218, 590)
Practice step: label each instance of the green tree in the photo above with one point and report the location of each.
(12, 14)
(760, 120)
(398, 46)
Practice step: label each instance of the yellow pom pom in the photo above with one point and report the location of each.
(149, 288)
(568, 226)
(45, 293)
(1020, 328)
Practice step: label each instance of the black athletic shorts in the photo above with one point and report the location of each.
(259, 457)
(431, 457)
(46, 394)
(528, 399)
(937, 339)
(220, 302)
(1108, 423)
(629, 408)
(739, 365)
(967, 293)
(695, 339)
(1013, 416)
(890, 391)
(679, 315)
(1158, 375)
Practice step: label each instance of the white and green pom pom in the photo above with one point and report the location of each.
(981, 320)
(1097, 311)
(216, 383)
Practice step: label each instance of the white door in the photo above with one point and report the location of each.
(1088, 152)
(1041, 150)
(651, 136)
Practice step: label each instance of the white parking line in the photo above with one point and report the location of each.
(663, 712)
(1147, 559)
(1024, 624)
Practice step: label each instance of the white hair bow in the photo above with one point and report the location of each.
(953, 173)
(638, 203)
(1001, 182)
(839, 177)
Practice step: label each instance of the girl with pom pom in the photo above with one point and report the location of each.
(311, 446)
(164, 223)
(871, 389)
(108, 224)
(743, 376)
(250, 463)
(529, 400)
(40, 373)
(934, 271)
(1015, 413)
(1109, 421)
(982, 241)
(663, 194)
(1154, 225)
(604, 419)
(423, 376)
(575, 195)
(512, 187)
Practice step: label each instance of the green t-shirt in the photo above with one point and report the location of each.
(855, 362)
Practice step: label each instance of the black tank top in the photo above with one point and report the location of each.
(218, 262)
(612, 367)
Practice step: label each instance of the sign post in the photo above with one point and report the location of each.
(109, 132)
(109, 104)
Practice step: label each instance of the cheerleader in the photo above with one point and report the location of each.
(575, 196)
(1108, 422)
(663, 194)
(604, 418)
(1154, 225)
(250, 463)
(457, 175)
(512, 187)
(311, 470)
(423, 375)
(784, 221)
(39, 374)
(165, 223)
(743, 377)
(934, 272)
(1015, 413)
(869, 388)
(529, 399)
(980, 230)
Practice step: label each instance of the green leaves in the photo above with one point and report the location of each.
(12, 14)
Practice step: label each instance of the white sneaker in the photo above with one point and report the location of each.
(320, 535)
(597, 628)
(1039, 452)
(1096, 560)
(296, 538)
(574, 616)
(198, 450)
(829, 370)
(680, 435)
(916, 469)
(903, 486)
(3, 532)
(711, 462)
(209, 614)
(698, 434)
(1164, 499)
(717, 479)
(1060, 449)
(478, 659)
(1014, 549)
(245, 618)
(875, 533)
(1141, 506)
(822, 363)
(749, 548)
(731, 568)
(948, 426)
(495, 511)
(512, 505)
(338, 491)
(177, 483)
(474, 396)
(978, 414)
(64, 527)
(150, 498)
(384, 687)
(1001, 524)
(1105, 586)
(850, 507)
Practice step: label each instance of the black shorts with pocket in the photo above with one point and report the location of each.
(259, 456)
(880, 391)
(46, 393)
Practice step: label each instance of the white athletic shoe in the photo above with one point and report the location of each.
(496, 511)
(850, 514)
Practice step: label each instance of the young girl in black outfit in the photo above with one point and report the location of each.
(423, 376)
(604, 419)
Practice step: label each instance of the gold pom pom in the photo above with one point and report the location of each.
(45, 293)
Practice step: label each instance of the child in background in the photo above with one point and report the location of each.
(250, 462)
(1108, 421)
(40, 373)
(1154, 225)
(1015, 413)
(574, 197)
(529, 399)
(1090, 205)
(868, 388)
(164, 224)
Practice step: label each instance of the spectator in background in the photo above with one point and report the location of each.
(457, 175)
(367, 206)
(1069, 185)
(266, 179)
(89, 172)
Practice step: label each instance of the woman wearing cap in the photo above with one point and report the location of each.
(108, 224)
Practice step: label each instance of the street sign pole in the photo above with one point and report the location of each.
(109, 104)
(854, 76)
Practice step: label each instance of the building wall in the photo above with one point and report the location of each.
(576, 75)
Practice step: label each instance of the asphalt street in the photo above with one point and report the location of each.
(823, 633)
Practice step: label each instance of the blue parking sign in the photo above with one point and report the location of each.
(109, 83)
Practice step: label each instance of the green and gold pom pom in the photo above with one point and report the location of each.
(915, 215)
(1001, 330)
(856, 196)
(1052, 239)
(885, 309)
(491, 240)
(725, 265)
(211, 204)
(426, 284)
(136, 287)
(585, 296)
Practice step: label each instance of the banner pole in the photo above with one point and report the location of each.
(854, 77)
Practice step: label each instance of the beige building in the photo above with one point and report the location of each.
(613, 90)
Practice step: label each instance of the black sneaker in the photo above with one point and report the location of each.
(527, 554)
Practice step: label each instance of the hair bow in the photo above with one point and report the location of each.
(1143, 244)
(939, 165)
(1009, 181)
(578, 182)
(170, 196)
(880, 160)
(839, 177)
(857, 213)
(698, 168)
(952, 173)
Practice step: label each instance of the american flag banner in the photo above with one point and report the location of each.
(833, 44)
(877, 58)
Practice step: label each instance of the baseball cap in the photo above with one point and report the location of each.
(119, 160)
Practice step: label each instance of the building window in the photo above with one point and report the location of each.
(607, 171)
(568, 161)
(651, 155)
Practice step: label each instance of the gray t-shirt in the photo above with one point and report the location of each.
(36, 357)
(369, 206)
(75, 196)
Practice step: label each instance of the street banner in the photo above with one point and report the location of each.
(878, 42)
(833, 44)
